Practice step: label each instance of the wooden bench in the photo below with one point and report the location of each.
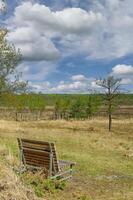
(42, 155)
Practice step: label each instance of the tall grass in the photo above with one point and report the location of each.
(104, 161)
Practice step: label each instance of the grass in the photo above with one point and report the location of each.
(104, 168)
(11, 187)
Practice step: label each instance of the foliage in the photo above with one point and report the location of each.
(85, 107)
(76, 109)
(9, 59)
(64, 106)
(61, 108)
(23, 101)
(42, 185)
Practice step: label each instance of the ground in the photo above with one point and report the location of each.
(104, 169)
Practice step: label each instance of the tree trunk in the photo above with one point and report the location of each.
(110, 115)
(110, 121)
(16, 116)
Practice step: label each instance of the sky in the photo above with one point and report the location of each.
(67, 45)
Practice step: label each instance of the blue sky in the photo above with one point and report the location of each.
(68, 44)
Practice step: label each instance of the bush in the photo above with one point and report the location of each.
(42, 185)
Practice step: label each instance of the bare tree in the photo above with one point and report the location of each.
(111, 87)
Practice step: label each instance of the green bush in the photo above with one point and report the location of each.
(42, 185)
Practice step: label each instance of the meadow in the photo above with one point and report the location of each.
(104, 169)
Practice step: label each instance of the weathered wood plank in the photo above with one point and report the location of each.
(36, 159)
(36, 152)
(35, 142)
(41, 154)
(36, 146)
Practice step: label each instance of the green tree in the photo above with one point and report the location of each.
(61, 108)
(88, 109)
(92, 104)
(9, 59)
(76, 109)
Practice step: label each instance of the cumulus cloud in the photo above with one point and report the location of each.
(94, 85)
(36, 72)
(2, 6)
(95, 29)
(34, 27)
(74, 87)
(33, 46)
(81, 84)
(79, 77)
(40, 87)
(70, 86)
(102, 31)
(125, 72)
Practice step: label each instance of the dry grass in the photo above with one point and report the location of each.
(104, 161)
(11, 188)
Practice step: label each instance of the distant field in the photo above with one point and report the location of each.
(104, 160)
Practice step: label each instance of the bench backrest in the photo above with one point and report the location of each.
(39, 154)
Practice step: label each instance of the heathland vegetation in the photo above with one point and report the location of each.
(104, 168)
(104, 161)
(64, 106)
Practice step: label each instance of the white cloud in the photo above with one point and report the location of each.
(70, 20)
(33, 46)
(125, 72)
(2, 6)
(36, 72)
(126, 81)
(40, 87)
(94, 85)
(78, 77)
(71, 86)
(102, 32)
(34, 26)
(77, 21)
(79, 83)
